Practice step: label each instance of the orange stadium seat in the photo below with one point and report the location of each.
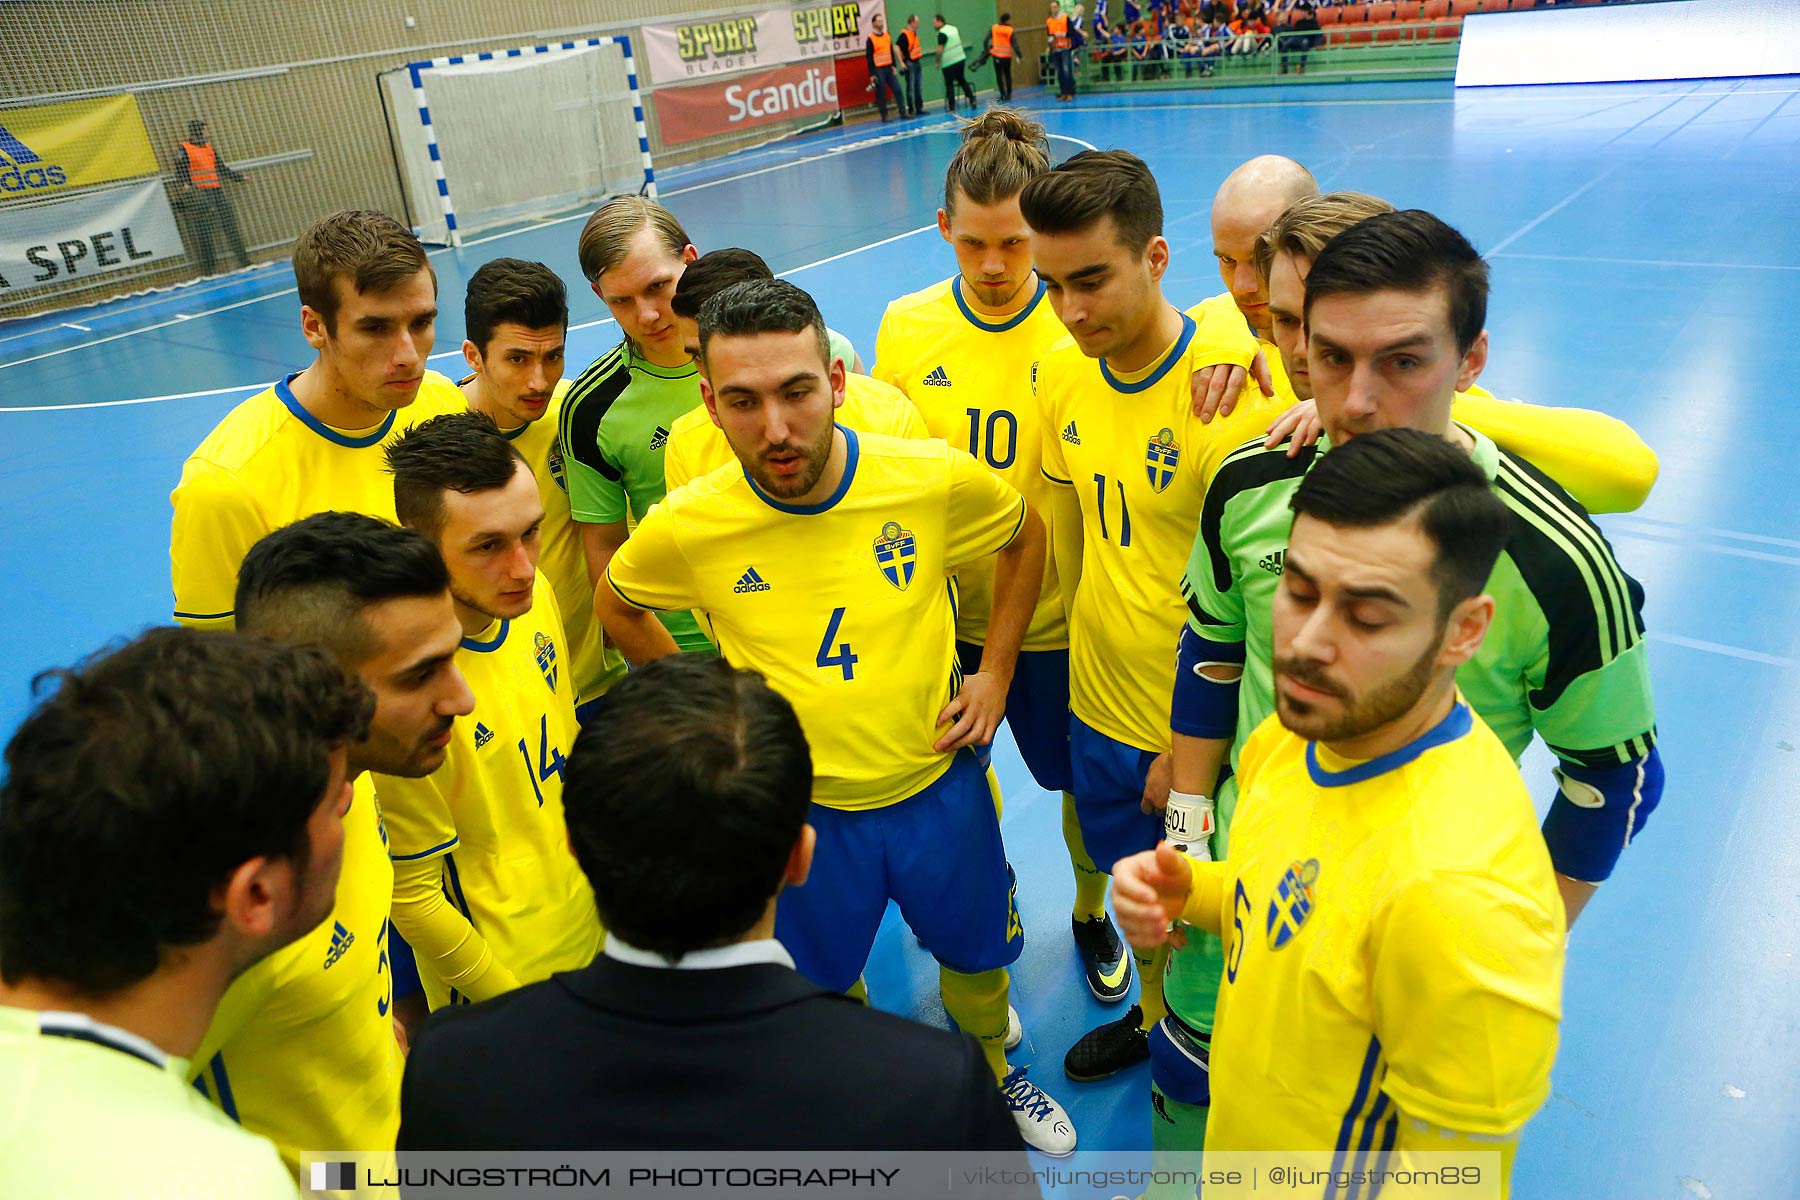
(1329, 17)
(1462, 8)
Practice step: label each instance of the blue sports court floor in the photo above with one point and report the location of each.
(1645, 240)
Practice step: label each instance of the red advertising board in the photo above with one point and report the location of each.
(686, 114)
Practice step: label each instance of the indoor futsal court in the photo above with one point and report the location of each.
(1644, 239)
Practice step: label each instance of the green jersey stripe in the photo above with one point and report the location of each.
(1558, 506)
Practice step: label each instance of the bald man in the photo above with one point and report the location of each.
(1247, 203)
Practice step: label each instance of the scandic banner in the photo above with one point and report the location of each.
(714, 46)
(686, 114)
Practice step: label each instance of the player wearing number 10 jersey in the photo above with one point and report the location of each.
(824, 562)
(302, 1048)
(964, 350)
(485, 887)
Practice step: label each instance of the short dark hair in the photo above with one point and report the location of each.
(308, 583)
(143, 780)
(711, 274)
(511, 289)
(372, 250)
(1382, 477)
(762, 306)
(684, 795)
(1078, 192)
(1406, 251)
(455, 452)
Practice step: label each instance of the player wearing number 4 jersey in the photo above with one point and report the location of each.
(485, 887)
(824, 559)
(964, 350)
(303, 1046)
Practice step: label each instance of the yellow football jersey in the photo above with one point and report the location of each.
(698, 447)
(266, 465)
(1139, 461)
(561, 559)
(493, 812)
(301, 1049)
(1393, 944)
(971, 377)
(1222, 324)
(846, 607)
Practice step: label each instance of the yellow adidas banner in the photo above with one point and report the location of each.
(55, 148)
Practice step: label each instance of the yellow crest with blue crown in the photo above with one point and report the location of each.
(556, 467)
(1293, 902)
(1161, 456)
(896, 554)
(546, 658)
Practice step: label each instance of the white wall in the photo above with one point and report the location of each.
(1692, 39)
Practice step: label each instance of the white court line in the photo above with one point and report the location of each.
(457, 353)
(1645, 262)
(1760, 538)
(1755, 656)
(846, 148)
(1532, 224)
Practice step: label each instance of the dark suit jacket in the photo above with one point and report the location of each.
(620, 1057)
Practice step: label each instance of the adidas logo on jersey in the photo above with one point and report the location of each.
(1272, 562)
(750, 581)
(341, 941)
(1070, 436)
(937, 378)
(483, 735)
(659, 439)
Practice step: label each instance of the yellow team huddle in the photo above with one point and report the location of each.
(986, 414)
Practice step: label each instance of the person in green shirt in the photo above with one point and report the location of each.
(1393, 313)
(952, 61)
(615, 423)
(172, 814)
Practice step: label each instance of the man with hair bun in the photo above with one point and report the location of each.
(965, 350)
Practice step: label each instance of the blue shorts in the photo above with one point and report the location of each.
(937, 854)
(1037, 712)
(404, 966)
(1109, 795)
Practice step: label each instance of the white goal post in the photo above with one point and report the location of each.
(507, 135)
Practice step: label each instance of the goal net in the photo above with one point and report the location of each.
(505, 136)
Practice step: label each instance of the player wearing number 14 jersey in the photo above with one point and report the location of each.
(824, 562)
(486, 889)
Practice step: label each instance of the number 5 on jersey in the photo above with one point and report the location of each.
(842, 657)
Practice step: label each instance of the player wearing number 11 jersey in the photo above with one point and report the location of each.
(486, 889)
(824, 561)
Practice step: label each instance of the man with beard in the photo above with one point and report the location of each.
(1392, 327)
(485, 887)
(1394, 938)
(826, 564)
(303, 1048)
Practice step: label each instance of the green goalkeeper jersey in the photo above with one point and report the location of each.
(615, 426)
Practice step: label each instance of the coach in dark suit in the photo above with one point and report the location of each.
(687, 795)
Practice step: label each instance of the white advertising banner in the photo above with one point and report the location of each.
(712, 46)
(87, 234)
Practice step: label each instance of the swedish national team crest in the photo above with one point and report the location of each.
(1292, 902)
(556, 467)
(1161, 456)
(896, 554)
(546, 659)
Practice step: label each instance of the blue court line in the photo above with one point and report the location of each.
(1755, 656)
